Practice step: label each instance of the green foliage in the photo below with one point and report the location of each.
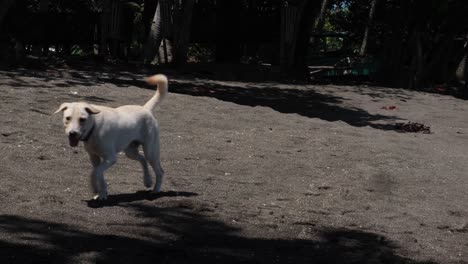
(200, 53)
(138, 32)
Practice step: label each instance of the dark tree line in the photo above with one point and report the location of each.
(411, 43)
(416, 43)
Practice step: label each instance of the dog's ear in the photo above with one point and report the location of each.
(62, 107)
(92, 110)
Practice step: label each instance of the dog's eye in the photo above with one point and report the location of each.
(68, 118)
(82, 119)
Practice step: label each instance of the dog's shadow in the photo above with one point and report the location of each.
(117, 199)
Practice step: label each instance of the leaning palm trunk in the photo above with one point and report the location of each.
(154, 37)
(160, 30)
(363, 49)
(320, 22)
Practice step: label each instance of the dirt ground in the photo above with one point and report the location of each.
(255, 173)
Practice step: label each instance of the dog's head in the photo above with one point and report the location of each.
(78, 120)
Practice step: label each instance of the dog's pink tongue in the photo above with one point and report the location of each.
(73, 142)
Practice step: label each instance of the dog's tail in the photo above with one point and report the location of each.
(160, 81)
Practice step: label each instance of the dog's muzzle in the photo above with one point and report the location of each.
(74, 138)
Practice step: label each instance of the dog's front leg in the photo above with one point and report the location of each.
(95, 161)
(98, 172)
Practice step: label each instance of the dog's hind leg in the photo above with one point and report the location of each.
(153, 157)
(132, 153)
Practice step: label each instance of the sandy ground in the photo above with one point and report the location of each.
(255, 173)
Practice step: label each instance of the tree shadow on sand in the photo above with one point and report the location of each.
(284, 99)
(305, 102)
(178, 234)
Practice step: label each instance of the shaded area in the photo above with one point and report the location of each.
(117, 199)
(302, 101)
(197, 240)
(305, 102)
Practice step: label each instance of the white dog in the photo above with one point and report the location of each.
(107, 131)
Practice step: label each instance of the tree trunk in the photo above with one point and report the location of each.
(296, 26)
(465, 70)
(4, 7)
(153, 41)
(148, 15)
(44, 9)
(105, 25)
(417, 65)
(393, 50)
(228, 32)
(168, 29)
(115, 29)
(303, 39)
(182, 33)
(370, 21)
(290, 23)
(161, 33)
(462, 69)
(320, 22)
(321, 16)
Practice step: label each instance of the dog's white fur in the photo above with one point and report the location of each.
(107, 131)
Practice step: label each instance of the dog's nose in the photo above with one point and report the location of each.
(73, 134)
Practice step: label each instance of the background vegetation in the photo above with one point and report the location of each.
(405, 43)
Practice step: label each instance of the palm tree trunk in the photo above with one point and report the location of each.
(168, 29)
(154, 38)
(296, 26)
(291, 17)
(320, 22)
(365, 39)
(182, 34)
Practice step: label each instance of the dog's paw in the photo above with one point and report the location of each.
(157, 187)
(101, 196)
(147, 182)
